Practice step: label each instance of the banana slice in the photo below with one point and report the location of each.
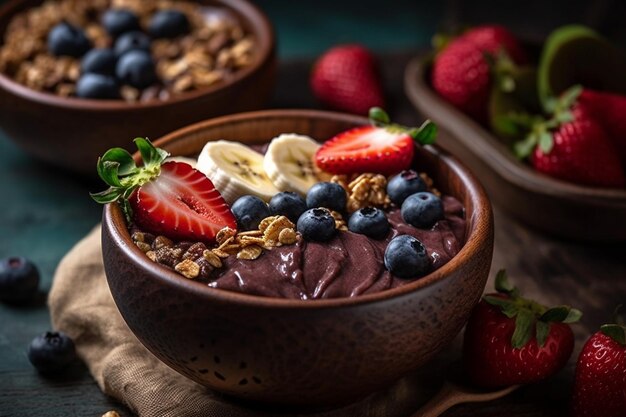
(184, 159)
(288, 162)
(235, 170)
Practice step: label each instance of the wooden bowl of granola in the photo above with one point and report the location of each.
(313, 353)
(71, 132)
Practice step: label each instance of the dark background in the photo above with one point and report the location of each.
(44, 212)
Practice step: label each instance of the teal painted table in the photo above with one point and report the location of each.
(45, 212)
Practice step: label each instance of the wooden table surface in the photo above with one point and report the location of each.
(45, 212)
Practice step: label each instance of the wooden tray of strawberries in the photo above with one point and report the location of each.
(550, 152)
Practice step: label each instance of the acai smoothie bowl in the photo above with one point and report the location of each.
(294, 257)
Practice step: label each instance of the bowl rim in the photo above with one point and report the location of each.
(259, 25)
(500, 159)
(479, 234)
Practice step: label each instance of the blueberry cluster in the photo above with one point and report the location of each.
(405, 256)
(128, 62)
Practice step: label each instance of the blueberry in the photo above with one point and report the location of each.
(327, 194)
(19, 279)
(422, 210)
(99, 61)
(65, 39)
(316, 224)
(168, 24)
(406, 257)
(249, 210)
(369, 221)
(97, 86)
(131, 41)
(51, 351)
(119, 21)
(288, 204)
(136, 68)
(403, 185)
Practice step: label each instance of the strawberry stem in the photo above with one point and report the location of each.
(426, 134)
(529, 315)
(118, 170)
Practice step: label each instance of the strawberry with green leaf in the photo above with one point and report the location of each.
(510, 340)
(572, 145)
(168, 198)
(600, 382)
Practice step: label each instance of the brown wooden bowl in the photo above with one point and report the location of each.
(71, 133)
(551, 205)
(292, 352)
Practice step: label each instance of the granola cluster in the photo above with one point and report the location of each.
(364, 190)
(216, 47)
(196, 260)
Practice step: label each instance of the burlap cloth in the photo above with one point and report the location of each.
(82, 306)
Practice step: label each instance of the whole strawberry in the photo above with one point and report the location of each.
(610, 110)
(573, 145)
(461, 73)
(510, 340)
(600, 382)
(346, 78)
(167, 198)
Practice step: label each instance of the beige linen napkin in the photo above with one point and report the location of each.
(82, 306)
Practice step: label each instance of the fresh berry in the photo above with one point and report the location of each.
(369, 221)
(131, 41)
(600, 382)
(510, 340)
(383, 147)
(97, 86)
(119, 21)
(406, 257)
(316, 224)
(609, 109)
(346, 78)
(327, 194)
(461, 72)
(172, 198)
(168, 24)
(99, 61)
(65, 39)
(136, 68)
(19, 279)
(422, 210)
(51, 352)
(288, 204)
(249, 210)
(403, 185)
(573, 146)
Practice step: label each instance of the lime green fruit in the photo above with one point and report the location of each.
(575, 54)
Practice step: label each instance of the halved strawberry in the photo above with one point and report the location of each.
(382, 147)
(172, 199)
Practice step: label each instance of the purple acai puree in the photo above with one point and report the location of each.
(347, 266)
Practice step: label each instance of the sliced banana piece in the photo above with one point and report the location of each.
(235, 170)
(288, 162)
(184, 159)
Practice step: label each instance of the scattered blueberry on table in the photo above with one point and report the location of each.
(19, 280)
(51, 352)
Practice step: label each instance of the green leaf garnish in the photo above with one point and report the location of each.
(426, 134)
(118, 170)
